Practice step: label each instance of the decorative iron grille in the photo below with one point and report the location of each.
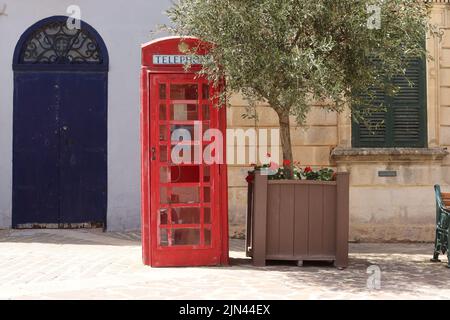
(55, 43)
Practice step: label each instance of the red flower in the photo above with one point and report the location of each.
(250, 178)
(286, 163)
(308, 169)
(269, 155)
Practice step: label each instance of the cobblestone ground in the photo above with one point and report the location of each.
(67, 264)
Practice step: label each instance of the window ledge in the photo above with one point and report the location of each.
(388, 154)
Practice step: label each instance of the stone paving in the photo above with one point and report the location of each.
(90, 264)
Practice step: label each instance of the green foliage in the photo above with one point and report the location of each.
(325, 174)
(274, 172)
(291, 51)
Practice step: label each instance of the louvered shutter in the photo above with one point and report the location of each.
(408, 108)
(404, 122)
(373, 132)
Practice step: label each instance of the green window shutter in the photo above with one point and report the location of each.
(408, 108)
(404, 122)
(374, 134)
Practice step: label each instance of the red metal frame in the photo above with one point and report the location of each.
(152, 76)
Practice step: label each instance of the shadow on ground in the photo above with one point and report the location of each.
(405, 269)
(71, 236)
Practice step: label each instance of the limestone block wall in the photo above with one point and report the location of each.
(439, 83)
(397, 208)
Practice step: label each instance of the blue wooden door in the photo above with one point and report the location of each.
(60, 126)
(35, 156)
(83, 160)
(60, 155)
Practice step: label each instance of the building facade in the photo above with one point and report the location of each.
(393, 169)
(392, 173)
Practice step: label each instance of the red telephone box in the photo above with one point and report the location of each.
(184, 203)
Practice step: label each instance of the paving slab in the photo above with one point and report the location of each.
(91, 264)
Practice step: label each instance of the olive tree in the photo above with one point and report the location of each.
(292, 52)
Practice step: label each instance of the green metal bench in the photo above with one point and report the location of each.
(442, 226)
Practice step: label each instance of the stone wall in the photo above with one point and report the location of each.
(399, 208)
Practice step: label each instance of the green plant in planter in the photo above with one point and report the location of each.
(325, 174)
(275, 172)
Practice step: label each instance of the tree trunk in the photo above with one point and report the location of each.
(285, 136)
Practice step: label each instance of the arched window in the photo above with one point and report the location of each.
(51, 43)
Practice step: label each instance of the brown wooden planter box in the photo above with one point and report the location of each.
(298, 220)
